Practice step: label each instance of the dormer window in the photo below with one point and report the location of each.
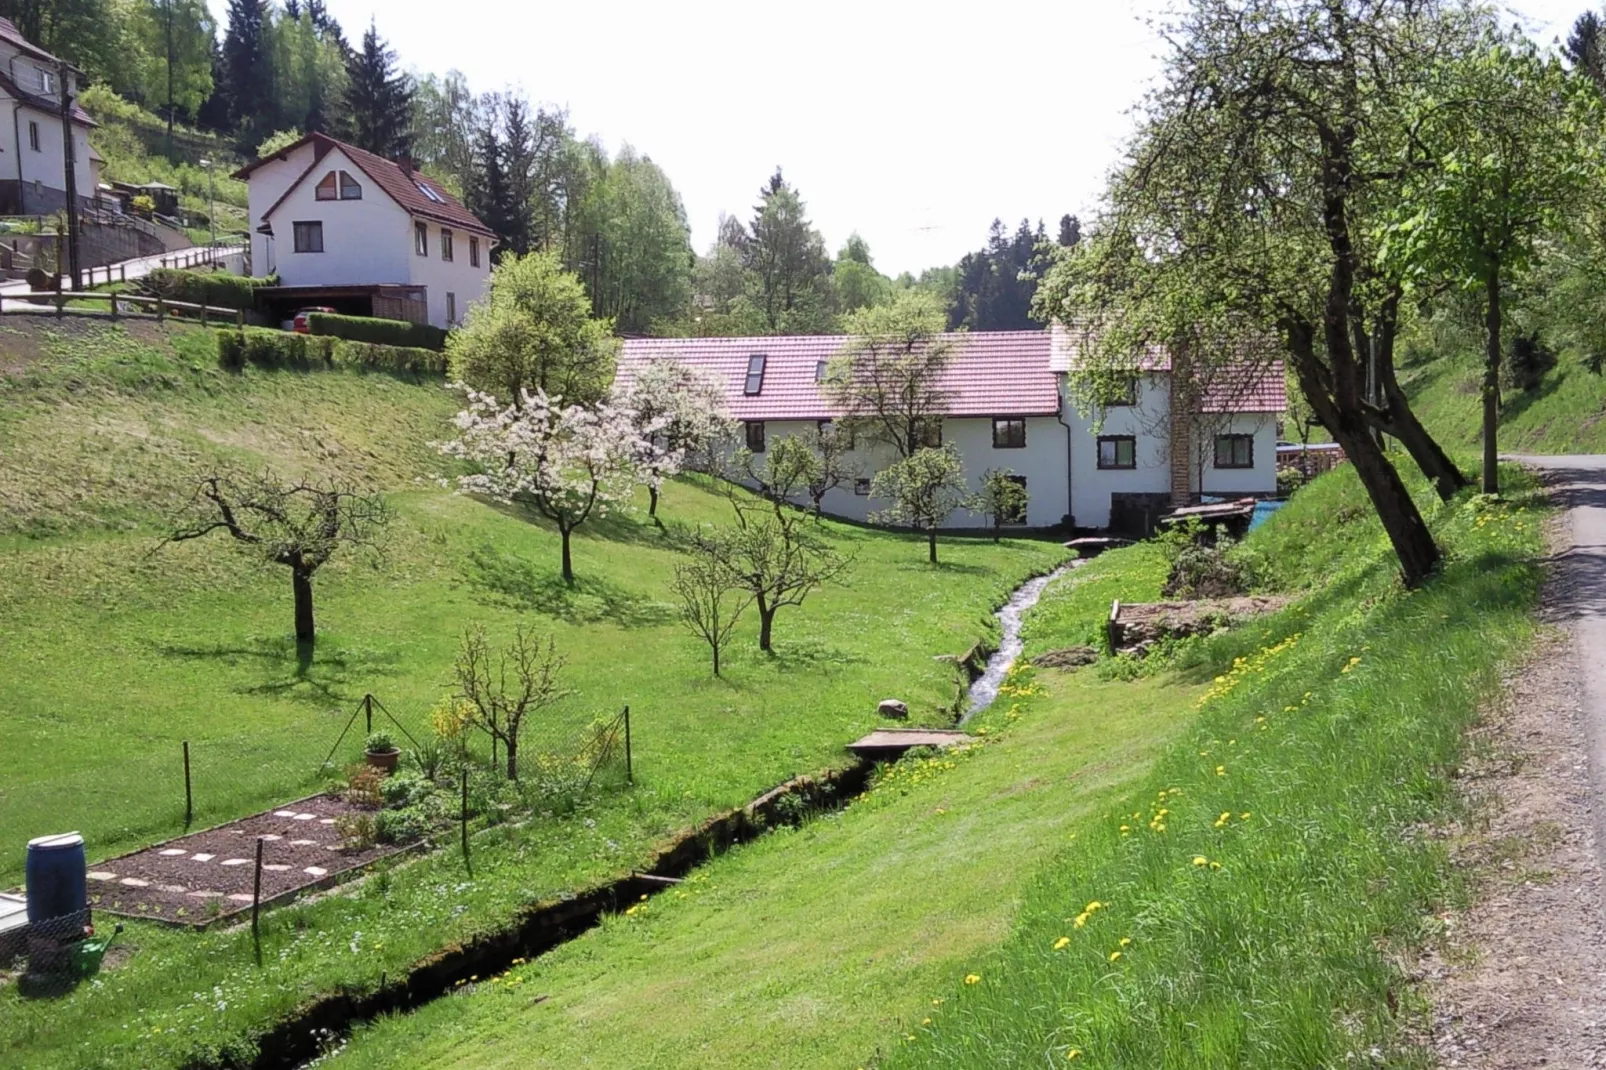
(338, 186)
(755, 375)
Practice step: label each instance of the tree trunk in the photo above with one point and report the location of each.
(652, 501)
(1407, 531)
(715, 647)
(512, 742)
(766, 618)
(301, 584)
(931, 544)
(1491, 387)
(1424, 449)
(568, 563)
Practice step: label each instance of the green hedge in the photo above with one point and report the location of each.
(284, 349)
(378, 331)
(216, 288)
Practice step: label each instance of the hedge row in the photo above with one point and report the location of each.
(378, 331)
(283, 349)
(216, 288)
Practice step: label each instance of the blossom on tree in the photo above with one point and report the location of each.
(681, 417)
(564, 462)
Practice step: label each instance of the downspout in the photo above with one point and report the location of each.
(1069, 519)
(16, 134)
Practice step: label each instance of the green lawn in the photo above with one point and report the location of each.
(113, 654)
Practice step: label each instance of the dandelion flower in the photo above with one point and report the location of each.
(925, 1021)
(1200, 860)
(1221, 770)
(1114, 955)
(1059, 945)
(1244, 816)
(1095, 905)
(1215, 865)
(1081, 920)
(1125, 940)
(972, 978)
(1074, 1053)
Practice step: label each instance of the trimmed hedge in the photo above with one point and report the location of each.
(216, 288)
(304, 352)
(378, 331)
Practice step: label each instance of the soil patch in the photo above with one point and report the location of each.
(1138, 626)
(207, 877)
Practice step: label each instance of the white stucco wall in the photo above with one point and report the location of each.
(1091, 486)
(364, 241)
(265, 186)
(1262, 478)
(46, 165)
(455, 276)
(1041, 461)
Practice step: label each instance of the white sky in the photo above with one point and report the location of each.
(912, 128)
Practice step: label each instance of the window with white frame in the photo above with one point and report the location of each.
(420, 239)
(446, 244)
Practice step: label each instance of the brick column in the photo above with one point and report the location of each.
(1180, 424)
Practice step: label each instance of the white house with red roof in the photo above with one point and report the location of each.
(353, 231)
(1009, 404)
(33, 170)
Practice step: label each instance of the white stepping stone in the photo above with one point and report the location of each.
(172, 852)
(202, 857)
(326, 821)
(205, 895)
(303, 843)
(316, 871)
(284, 813)
(101, 875)
(240, 898)
(173, 889)
(275, 866)
(270, 839)
(304, 817)
(134, 882)
(234, 862)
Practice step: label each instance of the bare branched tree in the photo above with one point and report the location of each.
(711, 597)
(503, 690)
(298, 525)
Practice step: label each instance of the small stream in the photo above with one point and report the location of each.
(985, 689)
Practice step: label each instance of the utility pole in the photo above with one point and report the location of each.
(211, 200)
(69, 171)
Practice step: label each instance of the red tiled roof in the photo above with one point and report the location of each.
(9, 32)
(993, 373)
(399, 185)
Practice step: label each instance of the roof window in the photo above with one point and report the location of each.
(755, 374)
(427, 190)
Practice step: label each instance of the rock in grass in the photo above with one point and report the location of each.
(893, 708)
(1070, 658)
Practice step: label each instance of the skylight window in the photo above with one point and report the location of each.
(424, 188)
(755, 375)
(819, 371)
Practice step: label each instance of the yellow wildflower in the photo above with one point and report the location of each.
(1114, 955)
(972, 978)
(1200, 860)
(1074, 1053)
(1059, 945)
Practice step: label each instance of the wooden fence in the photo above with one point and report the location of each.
(119, 304)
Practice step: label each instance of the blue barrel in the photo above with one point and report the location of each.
(57, 877)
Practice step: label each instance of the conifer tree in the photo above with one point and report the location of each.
(379, 99)
(248, 72)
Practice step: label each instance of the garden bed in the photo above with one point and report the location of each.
(207, 877)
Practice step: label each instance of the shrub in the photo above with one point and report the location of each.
(380, 743)
(272, 349)
(363, 786)
(358, 832)
(1204, 572)
(216, 288)
(403, 790)
(378, 331)
(401, 826)
(384, 358)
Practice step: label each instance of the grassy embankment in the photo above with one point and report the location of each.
(113, 654)
(1256, 886)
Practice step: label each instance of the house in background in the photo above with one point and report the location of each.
(367, 236)
(33, 170)
(1009, 404)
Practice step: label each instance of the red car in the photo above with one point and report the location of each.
(299, 323)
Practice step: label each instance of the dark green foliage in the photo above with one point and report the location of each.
(379, 100)
(218, 289)
(990, 294)
(304, 352)
(400, 360)
(1530, 360)
(247, 84)
(379, 331)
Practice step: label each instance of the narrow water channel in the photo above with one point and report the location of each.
(985, 688)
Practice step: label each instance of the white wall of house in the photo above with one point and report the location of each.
(267, 184)
(1041, 461)
(364, 241)
(1148, 423)
(1260, 479)
(457, 276)
(19, 160)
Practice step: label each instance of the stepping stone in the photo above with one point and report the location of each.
(134, 882)
(275, 866)
(234, 862)
(240, 898)
(325, 820)
(205, 895)
(173, 889)
(304, 817)
(270, 839)
(316, 871)
(284, 813)
(101, 875)
(201, 857)
(172, 852)
(303, 843)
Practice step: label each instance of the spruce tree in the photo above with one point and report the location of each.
(379, 100)
(248, 72)
(518, 165)
(487, 194)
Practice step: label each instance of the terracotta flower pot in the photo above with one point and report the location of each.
(383, 759)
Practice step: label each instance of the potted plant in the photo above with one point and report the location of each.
(381, 751)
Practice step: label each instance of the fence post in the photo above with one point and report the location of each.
(368, 714)
(189, 799)
(630, 773)
(239, 318)
(466, 864)
(161, 309)
(203, 315)
(61, 302)
(256, 904)
(122, 272)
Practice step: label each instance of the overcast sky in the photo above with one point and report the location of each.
(913, 129)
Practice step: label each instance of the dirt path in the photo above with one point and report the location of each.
(1519, 979)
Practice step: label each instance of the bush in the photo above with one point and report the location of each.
(216, 288)
(384, 358)
(1204, 572)
(403, 790)
(272, 349)
(380, 743)
(401, 826)
(378, 331)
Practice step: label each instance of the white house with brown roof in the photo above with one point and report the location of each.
(1009, 404)
(350, 230)
(33, 170)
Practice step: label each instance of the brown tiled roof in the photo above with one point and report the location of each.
(10, 33)
(992, 373)
(1253, 383)
(399, 185)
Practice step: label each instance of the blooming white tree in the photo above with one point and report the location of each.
(680, 414)
(564, 462)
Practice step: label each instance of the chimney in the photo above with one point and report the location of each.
(405, 162)
(1180, 421)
